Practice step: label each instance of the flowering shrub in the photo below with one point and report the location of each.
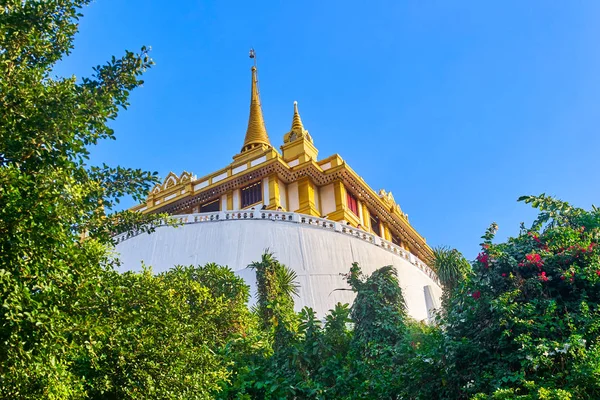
(526, 323)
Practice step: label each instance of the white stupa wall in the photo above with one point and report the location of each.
(318, 255)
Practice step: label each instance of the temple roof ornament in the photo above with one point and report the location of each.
(297, 130)
(173, 180)
(388, 199)
(256, 134)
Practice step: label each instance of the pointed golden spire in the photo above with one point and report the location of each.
(256, 133)
(296, 121)
(297, 130)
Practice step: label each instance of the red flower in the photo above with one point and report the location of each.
(598, 272)
(504, 275)
(534, 236)
(485, 246)
(543, 277)
(535, 260)
(591, 246)
(476, 295)
(483, 258)
(562, 278)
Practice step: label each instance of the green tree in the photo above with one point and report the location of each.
(157, 337)
(50, 198)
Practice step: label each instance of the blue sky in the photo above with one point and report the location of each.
(456, 107)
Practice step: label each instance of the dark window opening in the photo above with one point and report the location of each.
(352, 202)
(210, 207)
(252, 194)
(375, 225)
(396, 240)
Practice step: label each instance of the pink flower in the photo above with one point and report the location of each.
(476, 295)
(503, 275)
(535, 260)
(483, 258)
(535, 237)
(543, 277)
(591, 246)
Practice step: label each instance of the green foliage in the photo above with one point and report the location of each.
(158, 335)
(451, 266)
(379, 309)
(337, 360)
(49, 198)
(526, 324)
(70, 326)
(276, 286)
(521, 323)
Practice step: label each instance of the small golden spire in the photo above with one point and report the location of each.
(297, 130)
(297, 122)
(256, 133)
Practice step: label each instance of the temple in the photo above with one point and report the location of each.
(294, 179)
(316, 214)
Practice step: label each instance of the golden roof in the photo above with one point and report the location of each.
(256, 133)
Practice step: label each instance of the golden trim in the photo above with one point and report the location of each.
(230, 200)
(306, 197)
(274, 194)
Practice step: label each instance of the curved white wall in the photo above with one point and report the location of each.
(318, 256)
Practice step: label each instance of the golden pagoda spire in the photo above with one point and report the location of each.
(256, 134)
(297, 130)
(296, 121)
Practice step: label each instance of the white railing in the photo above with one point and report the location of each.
(291, 217)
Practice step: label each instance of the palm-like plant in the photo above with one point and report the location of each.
(451, 266)
(276, 286)
(287, 281)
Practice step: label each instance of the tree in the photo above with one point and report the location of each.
(157, 337)
(50, 198)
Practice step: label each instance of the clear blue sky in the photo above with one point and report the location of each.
(456, 107)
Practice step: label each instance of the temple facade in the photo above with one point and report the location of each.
(289, 191)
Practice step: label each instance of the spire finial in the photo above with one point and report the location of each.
(256, 133)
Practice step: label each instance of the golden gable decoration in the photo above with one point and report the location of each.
(388, 200)
(173, 180)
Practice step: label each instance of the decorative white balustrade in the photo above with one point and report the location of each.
(291, 217)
